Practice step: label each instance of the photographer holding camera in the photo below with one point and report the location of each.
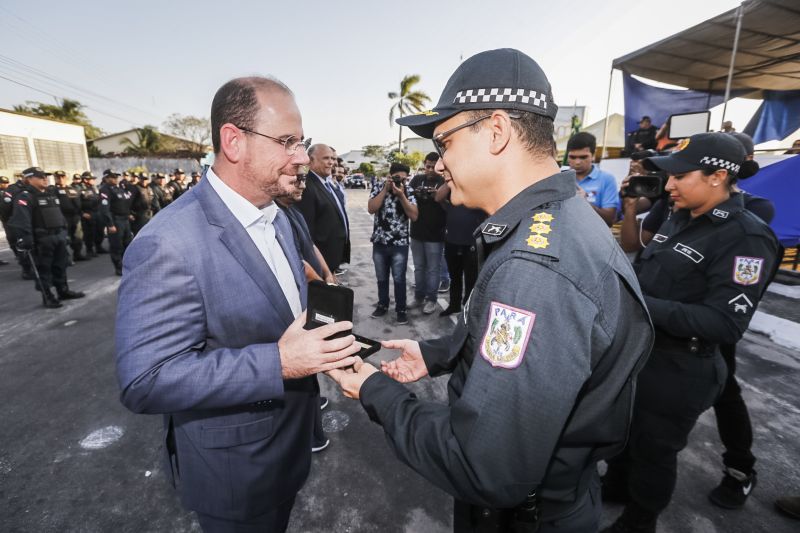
(427, 236)
(393, 204)
(702, 276)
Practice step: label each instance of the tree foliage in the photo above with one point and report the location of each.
(407, 101)
(412, 160)
(374, 152)
(367, 169)
(66, 110)
(196, 130)
(148, 142)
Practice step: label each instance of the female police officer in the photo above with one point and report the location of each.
(702, 276)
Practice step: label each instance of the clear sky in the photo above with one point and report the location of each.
(135, 63)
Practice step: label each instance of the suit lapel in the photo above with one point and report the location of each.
(328, 195)
(241, 246)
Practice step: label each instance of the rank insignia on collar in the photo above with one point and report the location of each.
(495, 230)
(747, 270)
(543, 217)
(507, 335)
(720, 213)
(537, 241)
(660, 238)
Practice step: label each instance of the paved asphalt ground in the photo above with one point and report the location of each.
(73, 459)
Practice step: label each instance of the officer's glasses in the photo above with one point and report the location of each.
(291, 143)
(437, 139)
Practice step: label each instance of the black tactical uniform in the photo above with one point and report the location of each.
(115, 214)
(142, 206)
(38, 225)
(702, 279)
(90, 216)
(4, 182)
(6, 208)
(543, 357)
(70, 201)
(163, 196)
(175, 187)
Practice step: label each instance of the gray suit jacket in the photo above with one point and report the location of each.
(198, 321)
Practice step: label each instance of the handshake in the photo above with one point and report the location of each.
(304, 352)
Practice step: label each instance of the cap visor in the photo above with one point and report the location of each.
(670, 164)
(423, 124)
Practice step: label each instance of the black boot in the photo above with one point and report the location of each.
(67, 294)
(118, 268)
(50, 300)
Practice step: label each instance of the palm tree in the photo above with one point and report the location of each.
(407, 101)
(65, 110)
(148, 141)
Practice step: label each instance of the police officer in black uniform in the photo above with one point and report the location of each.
(40, 228)
(90, 216)
(195, 180)
(4, 183)
(175, 185)
(702, 274)
(143, 203)
(544, 356)
(115, 214)
(70, 202)
(6, 209)
(162, 195)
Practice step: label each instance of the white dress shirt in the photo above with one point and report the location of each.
(259, 226)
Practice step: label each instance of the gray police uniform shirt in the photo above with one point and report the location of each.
(543, 360)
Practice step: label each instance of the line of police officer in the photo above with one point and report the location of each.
(43, 224)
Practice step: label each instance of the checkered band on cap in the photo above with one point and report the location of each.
(501, 95)
(720, 163)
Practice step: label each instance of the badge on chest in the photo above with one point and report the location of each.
(507, 334)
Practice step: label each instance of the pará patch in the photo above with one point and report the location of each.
(747, 270)
(507, 334)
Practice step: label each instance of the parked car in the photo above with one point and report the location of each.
(355, 181)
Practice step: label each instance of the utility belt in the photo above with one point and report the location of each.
(41, 232)
(120, 215)
(692, 345)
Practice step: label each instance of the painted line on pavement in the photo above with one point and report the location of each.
(790, 291)
(778, 330)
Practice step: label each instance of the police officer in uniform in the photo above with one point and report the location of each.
(90, 216)
(544, 356)
(39, 227)
(195, 180)
(175, 185)
(702, 274)
(163, 196)
(70, 202)
(115, 214)
(4, 183)
(6, 209)
(142, 205)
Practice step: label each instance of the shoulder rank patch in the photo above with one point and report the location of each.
(741, 303)
(540, 228)
(495, 230)
(720, 213)
(22, 202)
(507, 335)
(747, 270)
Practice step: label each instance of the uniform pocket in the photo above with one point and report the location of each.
(229, 436)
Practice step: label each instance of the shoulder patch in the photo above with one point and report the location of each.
(540, 228)
(507, 334)
(747, 270)
(495, 230)
(659, 237)
(720, 213)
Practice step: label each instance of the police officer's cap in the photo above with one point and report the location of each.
(35, 172)
(87, 176)
(4, 179)
(108, 173)
(144, 176)
(76, 177)
(160, 176)
(60, 174)
(746, 141)
(178, 171)
(126, 174)
(195, 174)
(495, 79)
(709, 151)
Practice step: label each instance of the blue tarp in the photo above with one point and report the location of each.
(657, 103)
(776, 118)
(780, 182)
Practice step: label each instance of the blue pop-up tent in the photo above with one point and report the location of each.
(780, 182)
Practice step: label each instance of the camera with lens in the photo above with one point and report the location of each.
(398, 181)
(424, 193)
(647, 185)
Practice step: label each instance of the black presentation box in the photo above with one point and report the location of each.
(333, 303)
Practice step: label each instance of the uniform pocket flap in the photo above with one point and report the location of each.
(229, 436)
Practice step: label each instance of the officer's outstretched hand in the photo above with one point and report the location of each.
(409, 366)
(351, 379)
(304, 352)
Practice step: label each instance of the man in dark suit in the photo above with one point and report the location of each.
(218, 346)
(324, 213)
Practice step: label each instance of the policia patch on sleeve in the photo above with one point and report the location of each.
(507, 334)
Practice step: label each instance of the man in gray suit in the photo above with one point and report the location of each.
(218, 346)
